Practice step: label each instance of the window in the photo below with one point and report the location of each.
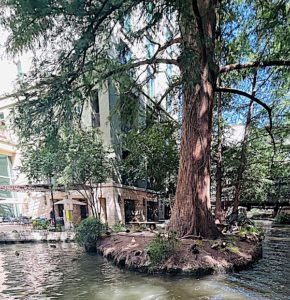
(150, 49)
(151, 83)
(5, 175)
(125, 54)
(95, 110)
(127, 23)
(168, 34)
(169, 98)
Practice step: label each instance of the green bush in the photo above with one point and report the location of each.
(119, 227)
(249, 230)
(162, 247)
(40, 224)
(282, 218)
(88, 232)
(57, 228)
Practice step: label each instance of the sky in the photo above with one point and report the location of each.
(8, 68)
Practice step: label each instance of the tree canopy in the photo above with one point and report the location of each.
(213, 46)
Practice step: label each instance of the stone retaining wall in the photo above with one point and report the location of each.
(35, 236)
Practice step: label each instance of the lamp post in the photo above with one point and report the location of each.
(51, 195)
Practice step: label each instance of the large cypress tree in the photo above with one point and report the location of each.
(78, 37)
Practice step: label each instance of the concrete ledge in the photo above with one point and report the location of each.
(35, 236)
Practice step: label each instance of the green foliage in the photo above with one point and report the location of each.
(40, 224)
(199, 243)
(266, 166)
(76, 38)
(74, 157)
(234, 249)
(119, 227)
(58, 228)
(282, 218)
(233, 239)
(86, 159)
(152, 156)
(162, 247)
(88, 232)
(249, 230)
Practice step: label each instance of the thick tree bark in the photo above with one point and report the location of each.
(191, 214)
(243, 157)
(218, 206)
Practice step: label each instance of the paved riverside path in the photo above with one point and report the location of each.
(8, 227)
(17, 233)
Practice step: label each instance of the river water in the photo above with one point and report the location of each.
(66, 272)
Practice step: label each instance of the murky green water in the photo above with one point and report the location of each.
(66, 272)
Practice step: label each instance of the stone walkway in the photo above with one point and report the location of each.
(17, 233)
(8, 227)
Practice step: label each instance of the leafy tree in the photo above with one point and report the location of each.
(78, 33)
(152, 156)
(264, 167)
(75, 159)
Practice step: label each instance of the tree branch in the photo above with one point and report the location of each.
(149, 61)
(199, 26)
(242, 93)
(254, 64)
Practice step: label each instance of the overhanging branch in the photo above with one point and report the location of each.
(242, 93)
(254, 64)
(145, 62)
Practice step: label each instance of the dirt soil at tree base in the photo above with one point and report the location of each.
(128, 250)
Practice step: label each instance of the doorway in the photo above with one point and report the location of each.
(83, 212)
(129, 206)
(103, 204)
(152, 211)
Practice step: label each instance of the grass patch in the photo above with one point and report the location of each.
(249, 230)
(162, 247)
(233, 239)
(234, 249)
(119, 227)
(199, 243)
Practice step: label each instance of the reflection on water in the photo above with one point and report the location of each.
(66, 272)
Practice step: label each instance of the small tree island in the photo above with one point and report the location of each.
(221, 54)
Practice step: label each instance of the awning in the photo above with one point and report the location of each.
(70, 201)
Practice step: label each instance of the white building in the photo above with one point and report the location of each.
(96, 114)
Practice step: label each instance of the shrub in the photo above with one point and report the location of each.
(88, 232)
(57, 228)
(282, 218)
(40, 224)
(234, 249)
(119, 227)
(162, 247)
(249, 230)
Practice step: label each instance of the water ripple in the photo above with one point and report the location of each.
(66, 272)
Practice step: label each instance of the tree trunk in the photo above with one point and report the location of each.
(243, 156)
(191, 214)
(218, 206)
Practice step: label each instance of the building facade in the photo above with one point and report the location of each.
(115, 202)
